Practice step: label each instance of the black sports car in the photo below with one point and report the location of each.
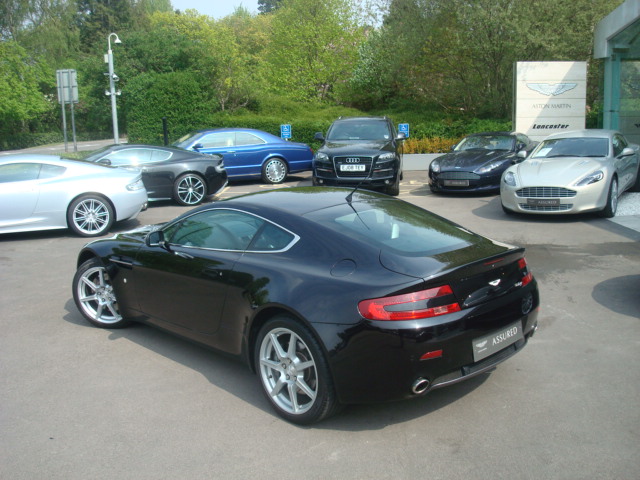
(168, 172)
(331, 296)
(476, 163)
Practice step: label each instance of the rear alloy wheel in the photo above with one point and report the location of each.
(94, 296)
(189, 189)
(611, 207)
(274, 171)
(293, 371)
(90, 216)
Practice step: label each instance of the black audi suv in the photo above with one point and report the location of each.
(364, 151)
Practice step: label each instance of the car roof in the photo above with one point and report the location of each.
(359, 119)
(298, 200)
(480, 134)
(29, 157)
(586, 133)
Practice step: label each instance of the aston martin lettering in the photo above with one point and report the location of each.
(552, 105)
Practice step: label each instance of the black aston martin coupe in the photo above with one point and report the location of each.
(168, 172)
(330, 296)
(476, 163)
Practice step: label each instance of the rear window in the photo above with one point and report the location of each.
(397, 226)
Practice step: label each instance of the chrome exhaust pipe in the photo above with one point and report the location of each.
(420, 386)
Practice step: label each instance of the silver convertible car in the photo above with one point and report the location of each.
(45, 192)
(572, 172)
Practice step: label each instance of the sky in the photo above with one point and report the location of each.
(215, 8)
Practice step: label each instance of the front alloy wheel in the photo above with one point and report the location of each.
(293, 372)
(94, 296)
(611, 207)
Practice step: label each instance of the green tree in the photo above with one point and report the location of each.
(268, 6)
(21, 100)
(313, 48)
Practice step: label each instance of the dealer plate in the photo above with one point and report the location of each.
(456, 183)
(353, 168)
(496, 341)
(543, 202)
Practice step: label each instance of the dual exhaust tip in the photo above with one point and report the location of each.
(420, 385)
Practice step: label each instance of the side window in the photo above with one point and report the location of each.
(619, 144)
(271, 239)
(130, 156)
(217, 229)
(51, 171)
(244, 138)
(19, 172)
(218, 139)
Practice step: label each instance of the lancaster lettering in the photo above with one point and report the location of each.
(505, 336)
(559, 126)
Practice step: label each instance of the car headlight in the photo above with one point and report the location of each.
(491, 166)
(589, 179)
(385, 157)
(321, 157)
(510, 179)
(435, 166)
(137, 185)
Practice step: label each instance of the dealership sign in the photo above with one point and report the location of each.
(550, 97)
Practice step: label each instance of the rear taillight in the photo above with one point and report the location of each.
(527, 276)
(411, 306)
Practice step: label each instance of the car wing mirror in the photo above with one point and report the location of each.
(156, 239)
(453, 147)
(319, 136)
(627, 151)
(197, 146)
(104, 161)
(520, 156)
(401, 136)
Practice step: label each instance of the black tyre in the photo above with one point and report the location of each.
(293, 371)
(90, 215)
(189, 189)
(394, 189)
(636, 185)
(94, 296)
(611, 207)
(274, 171)
(507, 211)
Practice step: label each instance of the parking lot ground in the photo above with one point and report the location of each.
(80, 402)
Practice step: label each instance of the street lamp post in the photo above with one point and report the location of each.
(113, 78)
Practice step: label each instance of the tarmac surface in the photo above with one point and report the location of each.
(80, 402)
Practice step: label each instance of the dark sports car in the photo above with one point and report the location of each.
(476, 163)
(251, 154)
(167, 172)
(331, 296)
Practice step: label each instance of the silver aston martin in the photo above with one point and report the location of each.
(572, 172)
(44, 192)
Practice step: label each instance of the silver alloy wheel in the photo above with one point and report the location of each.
(288, 371)
(91, 216)
(275, 171)
(96, 297)
(190, 189)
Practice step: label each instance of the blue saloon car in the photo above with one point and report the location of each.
(251, 154)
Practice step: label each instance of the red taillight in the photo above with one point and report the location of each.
(410, 306)
(527, 275)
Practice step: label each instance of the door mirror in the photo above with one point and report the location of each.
(627, 151)
(319, 136)
(104, 161)
(197, 146)
(156, 239)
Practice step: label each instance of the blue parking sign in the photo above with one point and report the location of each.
(404, 128)
(285, 131)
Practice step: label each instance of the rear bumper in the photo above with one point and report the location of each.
(381, 361)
